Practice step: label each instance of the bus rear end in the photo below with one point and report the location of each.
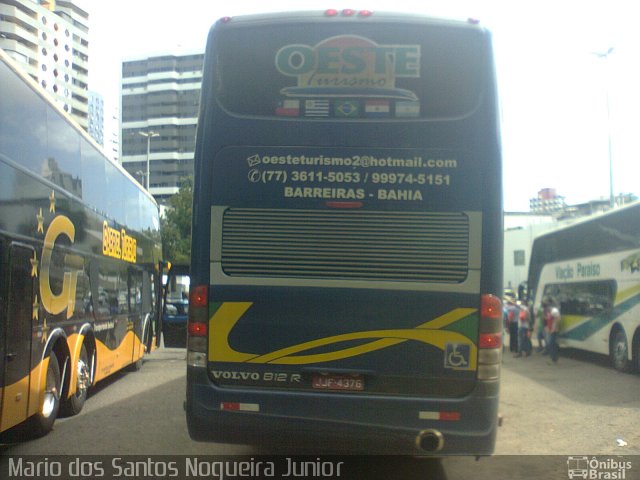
(347, 236)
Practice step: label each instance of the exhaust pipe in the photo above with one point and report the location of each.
(430, 441)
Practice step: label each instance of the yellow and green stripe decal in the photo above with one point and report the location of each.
(579, 327)
(457, 326)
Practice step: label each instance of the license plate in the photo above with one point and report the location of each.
(353, 383)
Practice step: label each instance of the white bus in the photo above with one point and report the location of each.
(591, 269)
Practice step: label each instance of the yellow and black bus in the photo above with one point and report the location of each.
(347, 235)
(79, 258)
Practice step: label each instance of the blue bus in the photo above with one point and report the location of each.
(347, 235)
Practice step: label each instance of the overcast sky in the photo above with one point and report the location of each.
(552, 87)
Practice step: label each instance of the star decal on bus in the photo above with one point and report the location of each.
(52, 202)
(45, 331)
(35, 314)
(34, 264)
(40, 219)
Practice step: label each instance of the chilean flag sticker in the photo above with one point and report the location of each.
(288, 108)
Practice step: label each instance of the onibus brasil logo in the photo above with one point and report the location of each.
(597, 468)
(349, 65)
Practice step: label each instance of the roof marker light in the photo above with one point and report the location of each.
(332, 12)
(348, 12)
(365, 13)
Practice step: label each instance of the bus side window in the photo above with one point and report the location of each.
(135, 291)
(148, 293)
(123, 292)
(585, 298)
(110, 295)
(84, 304)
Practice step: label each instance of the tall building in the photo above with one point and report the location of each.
(548, 201)
(96, 117)
(112, 129)
(49, 39)
(160, 98)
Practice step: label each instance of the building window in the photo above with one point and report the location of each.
(519, 258)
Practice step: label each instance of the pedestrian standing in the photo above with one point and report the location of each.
(524, 330)
(540, 328)
(552, 320)
(511, 317)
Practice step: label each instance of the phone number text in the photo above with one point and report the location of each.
(315, 176)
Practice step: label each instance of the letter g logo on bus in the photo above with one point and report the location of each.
(51, 302)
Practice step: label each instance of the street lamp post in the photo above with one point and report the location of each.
(605, 56)
(149, 135)
(140, 175)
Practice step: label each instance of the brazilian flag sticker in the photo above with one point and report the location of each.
(346, 108)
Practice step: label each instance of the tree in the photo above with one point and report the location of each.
(175, 225)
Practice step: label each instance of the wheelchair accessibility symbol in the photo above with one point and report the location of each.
(456, 356)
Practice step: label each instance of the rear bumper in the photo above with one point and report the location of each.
(341, 423)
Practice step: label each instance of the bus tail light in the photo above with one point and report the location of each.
(491, 308)
(198, 326)
(490, 339)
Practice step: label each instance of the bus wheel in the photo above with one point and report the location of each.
(42, 422)
(136, 366)
(74, 404)
(619, 351)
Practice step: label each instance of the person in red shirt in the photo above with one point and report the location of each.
(552, 327)
(524, 326)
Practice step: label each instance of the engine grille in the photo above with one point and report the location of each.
(394, 246)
